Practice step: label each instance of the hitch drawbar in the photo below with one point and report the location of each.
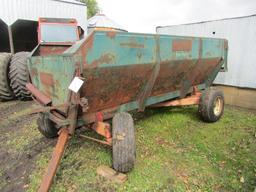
(64, 135)
(55, 160)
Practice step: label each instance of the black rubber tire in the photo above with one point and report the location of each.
(46, 126)
(19, 75)
(207, 104)
(6, 92)
(123, 142)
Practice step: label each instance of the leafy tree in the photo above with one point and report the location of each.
(92, 7)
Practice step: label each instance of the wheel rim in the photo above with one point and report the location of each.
(218, 105)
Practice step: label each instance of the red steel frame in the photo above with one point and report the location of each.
(72, 23)
(194, 99)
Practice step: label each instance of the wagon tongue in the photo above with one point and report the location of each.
(55, 160)
(64, 135)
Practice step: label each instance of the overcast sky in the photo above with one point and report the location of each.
(145, 15)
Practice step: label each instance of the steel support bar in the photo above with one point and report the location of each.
(96, 140)
(40, 97)
(151, 81)
(55, 160)
(194, 99)
(11, 39)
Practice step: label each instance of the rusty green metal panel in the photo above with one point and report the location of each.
(52, 75)
(126, 71)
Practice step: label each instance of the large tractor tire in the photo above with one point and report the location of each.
(19, 75)
(46, 126)
(211, 105)
(123, 143)
(5, 89)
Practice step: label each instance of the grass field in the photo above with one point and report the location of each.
(175, 152)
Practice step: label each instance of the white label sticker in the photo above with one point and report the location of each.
(76, 84)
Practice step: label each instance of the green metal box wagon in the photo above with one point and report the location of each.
(110, 73)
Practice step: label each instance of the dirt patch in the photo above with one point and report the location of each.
(19, 166)
(16, 166)
(9, 108)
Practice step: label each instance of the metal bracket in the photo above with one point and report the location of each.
(151, 81)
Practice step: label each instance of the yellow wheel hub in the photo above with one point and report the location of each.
(218, 105)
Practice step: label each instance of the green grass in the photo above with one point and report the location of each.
(175, 152)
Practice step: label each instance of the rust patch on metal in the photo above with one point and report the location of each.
(88, 42)
(52, 50)
(202, 70)
(33, 73)
(132, 45)
(112, 86)
(86, 46)
(181, 45)
(46, 79)
(171, 76)
(111, 34)
(48, 84)
(40, 97)
(107, 114)
(173, 73)
(106, 58)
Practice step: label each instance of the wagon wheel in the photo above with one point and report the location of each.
(211, 105)
(123, 142)
(46, 126)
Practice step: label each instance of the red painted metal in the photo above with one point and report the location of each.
(182, 45)
(60, 22)
(190, 100)
(104, 130)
